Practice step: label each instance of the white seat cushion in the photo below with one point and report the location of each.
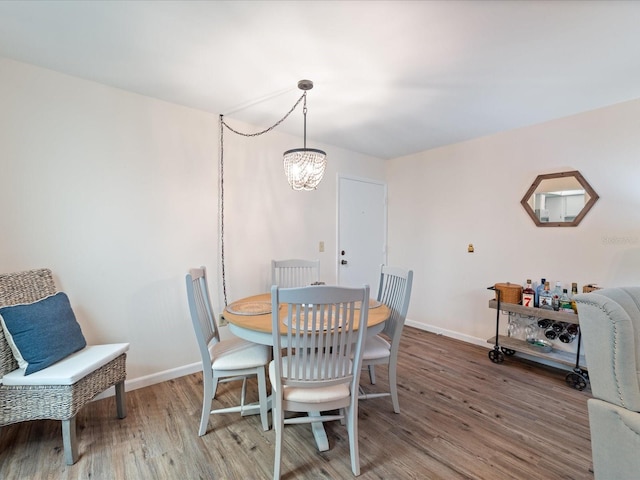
(376, 347)
(308, 395)
(71, 369)
(236, 353)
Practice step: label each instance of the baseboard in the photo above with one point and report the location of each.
(148, 380)
(447, 333)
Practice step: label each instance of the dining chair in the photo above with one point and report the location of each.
(294, 272)
(394, 290)
(317, 352)
(224, 360)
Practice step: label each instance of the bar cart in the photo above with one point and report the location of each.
(506, 345)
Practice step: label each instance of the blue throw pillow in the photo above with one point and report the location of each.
(42, 333)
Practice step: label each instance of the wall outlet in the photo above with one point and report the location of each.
(222, 322)
(321, 246)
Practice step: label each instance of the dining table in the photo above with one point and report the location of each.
(250, 318)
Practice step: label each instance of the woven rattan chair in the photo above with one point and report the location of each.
(19, 403)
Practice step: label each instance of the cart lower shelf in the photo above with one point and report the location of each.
(557, 356)
(508, 346)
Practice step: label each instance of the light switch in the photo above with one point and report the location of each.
(321, 246)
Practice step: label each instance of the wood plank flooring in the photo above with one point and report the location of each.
(463, 417)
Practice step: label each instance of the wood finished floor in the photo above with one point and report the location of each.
(463, 417)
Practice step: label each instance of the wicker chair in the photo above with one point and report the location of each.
(19, 403)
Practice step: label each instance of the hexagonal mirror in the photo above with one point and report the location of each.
(559, 199)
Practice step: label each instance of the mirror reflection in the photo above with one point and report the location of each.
(559, 199)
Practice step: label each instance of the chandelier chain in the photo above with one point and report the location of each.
(222, 125)
(266, 130)
(224, 277)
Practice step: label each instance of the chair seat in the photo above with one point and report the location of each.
(376, 347)
(236, 353)
(308, 395)
(69, 370)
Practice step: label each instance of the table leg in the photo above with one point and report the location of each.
(319, 433)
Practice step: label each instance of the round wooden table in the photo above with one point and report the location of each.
(254, 325)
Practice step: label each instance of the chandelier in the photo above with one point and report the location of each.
(304, 167)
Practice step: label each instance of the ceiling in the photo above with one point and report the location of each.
(391, 77)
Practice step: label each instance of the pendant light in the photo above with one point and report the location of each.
(304, 167)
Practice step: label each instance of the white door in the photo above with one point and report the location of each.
(362, 231)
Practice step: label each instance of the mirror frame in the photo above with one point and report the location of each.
(593, 198)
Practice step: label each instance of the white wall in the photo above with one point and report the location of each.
(117, 193)
(442, 200)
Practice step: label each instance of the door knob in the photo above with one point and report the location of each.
(343, 262)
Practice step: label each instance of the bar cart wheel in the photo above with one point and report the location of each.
(507, 351)
(577, 379)
(496, 356)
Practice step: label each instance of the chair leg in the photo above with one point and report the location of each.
(351, 413)
(372, 374)
(209, 387)
(262, 394)
(69, 440)
(278, 426)
(121, 404)
(393, 386)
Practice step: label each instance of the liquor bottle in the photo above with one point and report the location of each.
(528, 295)
(565, 302)
(545, 299)
(574, 292)
(539, 290)
(556, 294)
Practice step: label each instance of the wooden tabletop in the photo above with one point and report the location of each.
(378, 313)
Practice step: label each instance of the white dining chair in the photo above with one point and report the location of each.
(394, 290)
(294, 272)
(322, 337)
(224, 360)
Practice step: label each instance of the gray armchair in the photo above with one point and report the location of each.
(610, 324)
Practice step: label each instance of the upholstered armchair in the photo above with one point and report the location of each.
(610, 324)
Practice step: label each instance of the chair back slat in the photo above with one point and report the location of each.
(16, 288)
(294, 273)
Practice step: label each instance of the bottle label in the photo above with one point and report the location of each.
(545, 302)
(528, 299)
